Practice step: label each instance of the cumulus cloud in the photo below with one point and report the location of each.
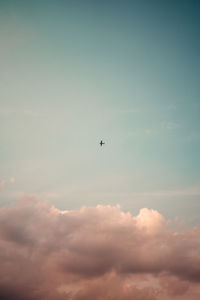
(94, 253)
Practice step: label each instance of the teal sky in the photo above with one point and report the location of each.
(75, 72)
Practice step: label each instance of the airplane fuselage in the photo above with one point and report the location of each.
(101, 143)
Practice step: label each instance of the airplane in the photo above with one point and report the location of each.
(101, 143)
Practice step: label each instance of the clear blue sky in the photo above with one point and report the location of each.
(75, 72)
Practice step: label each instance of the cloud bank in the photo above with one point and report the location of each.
(95, 253)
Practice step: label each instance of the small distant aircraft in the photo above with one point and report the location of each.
(101, 143)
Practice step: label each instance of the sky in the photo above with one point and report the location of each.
(74, 73)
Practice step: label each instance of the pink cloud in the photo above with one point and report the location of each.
(94, 253)
(12, 179)
(3, 184)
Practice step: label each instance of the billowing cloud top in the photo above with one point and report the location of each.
(94, 253)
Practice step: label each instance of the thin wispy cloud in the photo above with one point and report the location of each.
(132, 133)
(171, 107)
(129, 111)
(169, 125)
(32, 113)
(7, 112)
(192, 191)
(149, 131)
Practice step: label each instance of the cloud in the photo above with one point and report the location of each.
(188, 191)
(149, 131)
(132, 133)
(7, 112)
(125, 111)
(3, 184)
(171, 107)
(131, 110)
(94, 253)
(169, 125)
